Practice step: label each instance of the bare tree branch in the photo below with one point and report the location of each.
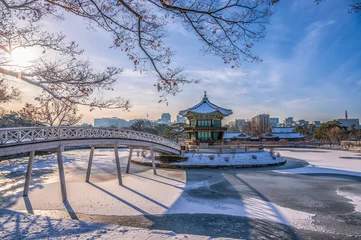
(51, 112)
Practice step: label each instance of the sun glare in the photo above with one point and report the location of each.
(22, 57)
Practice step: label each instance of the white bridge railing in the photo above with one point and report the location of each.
(39, 134)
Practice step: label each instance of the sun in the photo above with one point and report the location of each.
(22, 57)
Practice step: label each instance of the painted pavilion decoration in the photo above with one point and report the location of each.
(205, 122)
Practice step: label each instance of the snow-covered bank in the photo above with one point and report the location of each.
(208, 159)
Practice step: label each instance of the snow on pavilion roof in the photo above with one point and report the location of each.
(206, 107)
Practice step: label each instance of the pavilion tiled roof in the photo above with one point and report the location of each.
(206, 107)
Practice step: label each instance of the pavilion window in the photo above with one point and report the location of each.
(217, 123)
(204, 123)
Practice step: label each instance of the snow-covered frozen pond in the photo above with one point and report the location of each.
(293, 200)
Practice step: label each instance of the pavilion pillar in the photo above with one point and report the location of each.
(91, 155)
(153, 161)
(61, 173)
(129, 159)
(28, 173)
(117, 162)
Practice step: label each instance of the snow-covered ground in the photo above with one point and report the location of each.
(202, 159)
(143, 193)
(16, 225)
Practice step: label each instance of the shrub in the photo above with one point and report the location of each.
(226, 158)
(138, 154)
(271, 151)
(278, 154)
(254, 157)
(211, 157)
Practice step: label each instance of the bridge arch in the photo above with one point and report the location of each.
(32, 139)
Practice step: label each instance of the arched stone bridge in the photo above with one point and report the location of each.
(32, 139)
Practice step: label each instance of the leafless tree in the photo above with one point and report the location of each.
(8, 93)
(227, 29)
(254, 129)
(354, 5)
(144, 125)
(66, 76)
(232, 127)
(52, 112)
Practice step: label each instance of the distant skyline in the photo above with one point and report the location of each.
(310, 70)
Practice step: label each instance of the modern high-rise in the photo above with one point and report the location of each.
(316, 123)
(263, 122)
(274, 122)
(302, 122)
(289, 121)
(181, 119)
(240, 123)
(165, 117)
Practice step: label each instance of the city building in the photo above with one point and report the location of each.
(205, 120)
(165, 118)
(274, 122)
(111, 122)
(302, 122)
(241, 124)
(348, 123)
(181, 119)
(316, 123)
(263, 121)
(288, 121)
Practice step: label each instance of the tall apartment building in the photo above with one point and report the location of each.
(181, 119)
(165, 117)
(274, 122)
(263, 121)
(241, 123)
(316, 123)
(302, 122)
(289, 121)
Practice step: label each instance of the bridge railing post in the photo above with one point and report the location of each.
(129, 158)
(28, 173)
(91, 155)
(59, 154)
(153, 161)
(117, 162)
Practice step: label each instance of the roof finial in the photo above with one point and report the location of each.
(205, 93)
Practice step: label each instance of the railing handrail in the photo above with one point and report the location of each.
(15, 134)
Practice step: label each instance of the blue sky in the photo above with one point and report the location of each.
(311, 68)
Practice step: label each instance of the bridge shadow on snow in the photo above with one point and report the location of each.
(16, 225)
(260, 219)
(12, 185)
